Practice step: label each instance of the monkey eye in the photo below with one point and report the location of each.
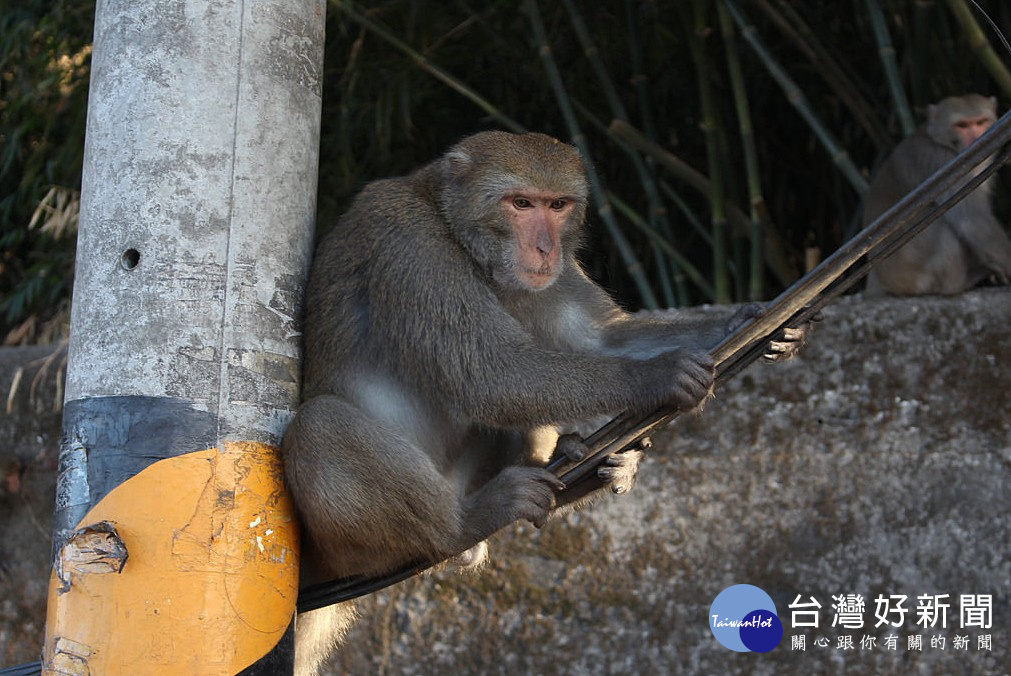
(558, 205)
(521, 203)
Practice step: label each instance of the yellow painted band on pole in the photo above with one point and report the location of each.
(206, 546)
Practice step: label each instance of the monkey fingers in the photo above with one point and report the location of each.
(619, 470)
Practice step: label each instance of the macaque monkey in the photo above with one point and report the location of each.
(449, 333)
(965, 246)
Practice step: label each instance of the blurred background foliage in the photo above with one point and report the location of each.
(45, 50)
(731, 139)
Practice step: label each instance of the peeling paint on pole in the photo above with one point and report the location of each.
(197, 213)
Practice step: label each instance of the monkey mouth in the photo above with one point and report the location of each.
(539, 278)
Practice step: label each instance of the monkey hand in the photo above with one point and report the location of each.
(682, 379)
(742, 316)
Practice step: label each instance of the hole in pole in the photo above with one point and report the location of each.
(130, 260)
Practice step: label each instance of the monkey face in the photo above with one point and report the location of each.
(537, 219)
(968, 129)
(957, 121)
(516, 203)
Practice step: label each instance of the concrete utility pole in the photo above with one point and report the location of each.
(175, 545)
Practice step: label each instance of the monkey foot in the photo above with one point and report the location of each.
(473, 558)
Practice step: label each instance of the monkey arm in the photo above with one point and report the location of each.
(647, 333)
(639, 335)
(975, 227)
(914, 158)
(453, 340)
(531, 385)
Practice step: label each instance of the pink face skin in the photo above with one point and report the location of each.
(968, 129)
(538, 219)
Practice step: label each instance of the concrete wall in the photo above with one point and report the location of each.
(879, 462)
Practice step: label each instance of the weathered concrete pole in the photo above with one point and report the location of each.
(175, 547)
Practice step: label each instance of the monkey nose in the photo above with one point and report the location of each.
(544, 245)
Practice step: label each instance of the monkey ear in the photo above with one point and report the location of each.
(457, 162)
(993, 103)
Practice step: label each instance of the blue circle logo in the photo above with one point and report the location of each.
(743, 618)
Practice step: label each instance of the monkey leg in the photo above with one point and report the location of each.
(936, 261)
(373, 501)
(369, 500)
(619, 470)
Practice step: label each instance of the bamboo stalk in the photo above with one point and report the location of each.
(686, 265)
(754, 180)
(886, 52)
(686, 211)
(775, 256)
(796, 98)
(429, 67)
(640, 83)
(980, 45)
(639, 77)
(793, 26)
(710, 125)
(657, 212)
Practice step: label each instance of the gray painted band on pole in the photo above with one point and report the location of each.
(198, 206)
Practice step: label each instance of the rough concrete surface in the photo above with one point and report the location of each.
(877, 463)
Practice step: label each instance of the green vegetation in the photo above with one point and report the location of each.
(731, 140)
(45, 50)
